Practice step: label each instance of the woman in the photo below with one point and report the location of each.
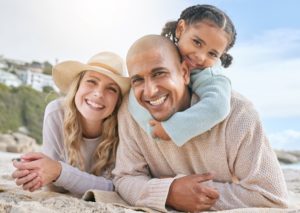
(80, 134)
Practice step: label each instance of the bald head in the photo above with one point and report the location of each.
(158, 78)
(153, 42)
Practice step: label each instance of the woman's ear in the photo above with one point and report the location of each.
(180, 28)
(186, 72)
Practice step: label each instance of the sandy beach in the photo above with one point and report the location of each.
(14, 199)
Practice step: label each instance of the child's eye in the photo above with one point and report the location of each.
(212, 54)
(196, 42)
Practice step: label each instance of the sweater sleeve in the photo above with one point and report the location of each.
(260, 181)
(52, 132)
(132, 179)
(78, 182)
(214, 91)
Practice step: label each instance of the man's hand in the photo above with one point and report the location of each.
(35, 170)
(189, 194)
(158, 130)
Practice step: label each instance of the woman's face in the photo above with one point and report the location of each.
(201, 44)
(96, 97)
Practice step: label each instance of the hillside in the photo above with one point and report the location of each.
(23, 106)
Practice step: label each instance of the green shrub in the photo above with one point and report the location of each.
(23, 106)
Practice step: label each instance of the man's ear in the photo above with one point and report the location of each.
(180, 28)
(185, 72)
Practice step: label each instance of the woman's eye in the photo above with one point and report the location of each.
(113, 89)
(91, 81)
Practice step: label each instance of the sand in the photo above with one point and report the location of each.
(15, 200)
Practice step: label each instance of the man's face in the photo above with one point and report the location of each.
(159, 82)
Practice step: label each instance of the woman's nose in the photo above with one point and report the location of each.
(97, 93)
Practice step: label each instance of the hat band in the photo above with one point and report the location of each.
(104, 66)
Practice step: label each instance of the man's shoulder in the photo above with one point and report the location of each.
(242, 109)
(239, 101)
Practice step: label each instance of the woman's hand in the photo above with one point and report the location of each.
(35, 170)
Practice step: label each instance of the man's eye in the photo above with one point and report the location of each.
(157, 74)
(136, 81)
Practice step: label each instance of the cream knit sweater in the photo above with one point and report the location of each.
(236, 149)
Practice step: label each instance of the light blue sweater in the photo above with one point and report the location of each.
(214, 90)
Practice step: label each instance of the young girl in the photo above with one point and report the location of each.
(203, 35)
(80, 134)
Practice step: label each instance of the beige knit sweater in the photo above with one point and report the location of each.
(237, 148)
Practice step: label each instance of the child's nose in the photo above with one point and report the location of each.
(200, 57)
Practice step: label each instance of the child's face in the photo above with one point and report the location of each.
(96, 97)
(201, 44)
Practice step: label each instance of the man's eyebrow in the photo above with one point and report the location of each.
(157, 69)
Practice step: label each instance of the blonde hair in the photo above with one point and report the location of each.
(105, 153)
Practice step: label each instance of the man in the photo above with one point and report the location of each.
(158, 174)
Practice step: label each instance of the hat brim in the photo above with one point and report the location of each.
(64, 73)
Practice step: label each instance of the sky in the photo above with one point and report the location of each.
(266, 53)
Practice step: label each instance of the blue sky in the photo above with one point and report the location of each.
(266, 54)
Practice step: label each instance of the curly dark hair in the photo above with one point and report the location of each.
(197, 13)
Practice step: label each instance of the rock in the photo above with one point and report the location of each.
(3, 147)
(7, 139)
(285, 157)
(23, 139)
(18, 143)
(14, 148)
(23, 130)
(295, 153)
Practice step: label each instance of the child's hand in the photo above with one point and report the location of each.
(158, 130)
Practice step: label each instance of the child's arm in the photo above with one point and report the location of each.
(158, 131)
(214, 91)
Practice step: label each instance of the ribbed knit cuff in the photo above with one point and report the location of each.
(157, 194)
(64, 177)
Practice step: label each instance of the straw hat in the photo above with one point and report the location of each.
(106, 63)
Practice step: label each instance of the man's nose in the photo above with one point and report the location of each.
(150, 88)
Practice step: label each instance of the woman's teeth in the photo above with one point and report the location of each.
(95, 105)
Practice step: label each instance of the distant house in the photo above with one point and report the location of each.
(2, 62)
(36, 67)
(36, 80)
(9, 79)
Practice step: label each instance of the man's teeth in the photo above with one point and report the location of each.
(95, 105)
(158, 101)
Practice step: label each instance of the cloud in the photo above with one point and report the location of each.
(266, 69)
(285, 140)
